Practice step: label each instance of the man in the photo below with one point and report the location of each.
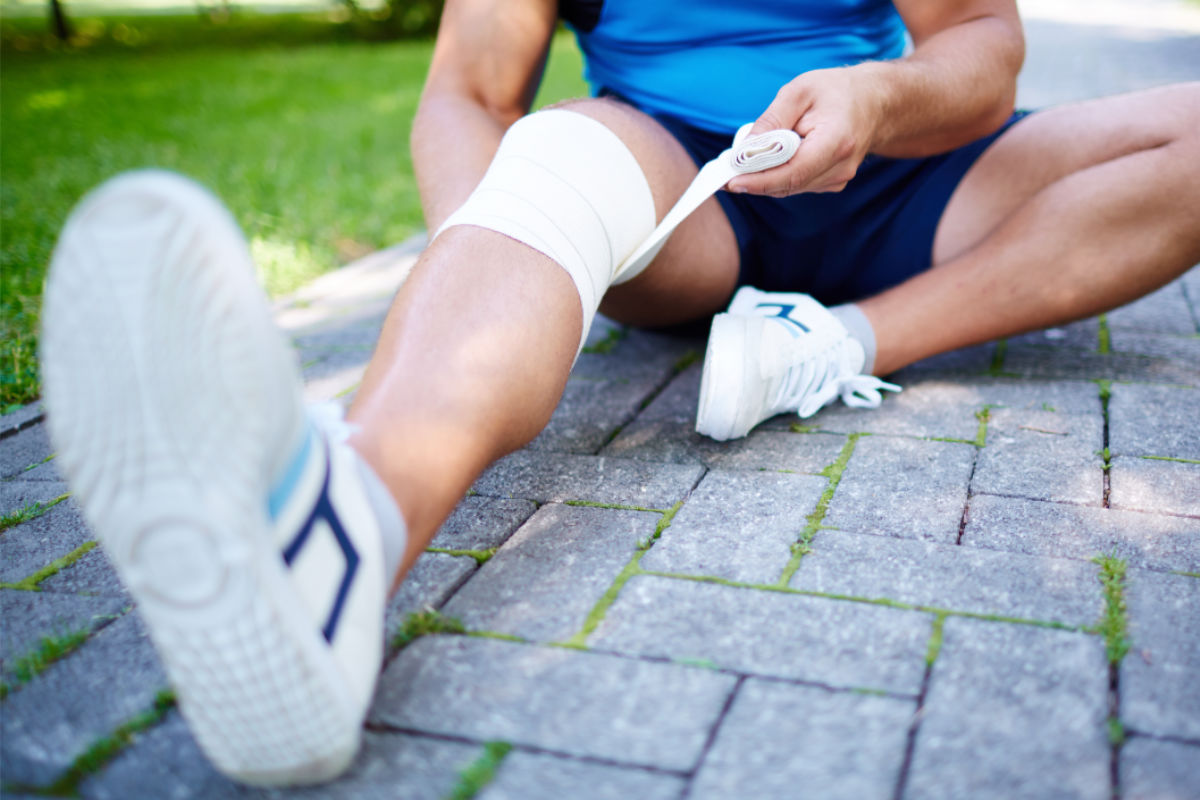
(917, 206)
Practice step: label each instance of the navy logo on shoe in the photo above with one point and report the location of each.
(323, 510)
(785, 310)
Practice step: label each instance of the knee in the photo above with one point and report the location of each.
(566, 184)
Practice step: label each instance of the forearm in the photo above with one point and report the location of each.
(956, 86)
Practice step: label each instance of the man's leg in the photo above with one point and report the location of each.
(1073, 211)
(476, 350)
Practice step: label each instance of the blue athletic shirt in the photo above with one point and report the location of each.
(717, 65)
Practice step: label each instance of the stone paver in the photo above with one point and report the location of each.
(633, 712)
(482, 523)
(948, 577)
(757, 632)
(555, 477)
(389, 765)
(1166, 487)
(1163, 311)
(1013, 711)
(606, 390)
(49, 722)
(1053, 363)
(1016, 525)
(737, 525)
(781, 741)
(903, 487)
(28, 547)
(535, 776)
(547, 577)
(91, 575)
(24, 456)
(926, 408)
(19, 494)
(1046, 455)
(1154, 421)
(1159, 770)
(429, 584)
(31, 616)
(719, 681)
(1160, 693)
(665, 432)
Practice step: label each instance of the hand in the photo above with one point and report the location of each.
(837, 111)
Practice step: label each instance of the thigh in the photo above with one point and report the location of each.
(1051, 144)
(696, 271)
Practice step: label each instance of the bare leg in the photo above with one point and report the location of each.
(1073, 211)
(476, 350)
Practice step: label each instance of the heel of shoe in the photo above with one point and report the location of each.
(721, 380)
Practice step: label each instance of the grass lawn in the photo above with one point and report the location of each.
(306, 141)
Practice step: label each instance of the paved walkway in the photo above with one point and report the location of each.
(989, 587)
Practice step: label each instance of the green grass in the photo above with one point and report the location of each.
(306, 143)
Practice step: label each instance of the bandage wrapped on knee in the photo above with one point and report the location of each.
(568, 187)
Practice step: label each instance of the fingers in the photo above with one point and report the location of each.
(816, 167)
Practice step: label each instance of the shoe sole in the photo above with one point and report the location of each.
(169, 392)
(721, 380)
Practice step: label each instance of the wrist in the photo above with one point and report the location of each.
(877, 95)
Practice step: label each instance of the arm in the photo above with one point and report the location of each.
(484, 74)
(957, 85)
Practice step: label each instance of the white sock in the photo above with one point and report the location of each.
(856, 322)
(391, 524)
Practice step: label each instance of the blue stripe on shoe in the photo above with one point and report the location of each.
(323, 510)
(291, 476)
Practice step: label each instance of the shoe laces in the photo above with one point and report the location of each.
(818, 367)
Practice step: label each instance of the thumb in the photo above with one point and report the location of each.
(784, 113)
(769, 120)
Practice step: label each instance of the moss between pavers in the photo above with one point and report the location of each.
(1113, 625)
(29, 512)
(1172, 458)
(633, 567)
(1104, 340)
(935, 639)
(802, 546)
(30, 468)
(479, 773)
(614, 506)
(31, 583)
(875, 601)
(49, 649)
(996, 368)
(424, 623)
(1114, 621)
(481, 556)
(606, 345)
(103, 750)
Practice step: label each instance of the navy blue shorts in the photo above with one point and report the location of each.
(841, 246)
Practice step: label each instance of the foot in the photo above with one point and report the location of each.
(777, 352)
(237, 523)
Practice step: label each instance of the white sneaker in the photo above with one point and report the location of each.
(176, 409)
(775, 352)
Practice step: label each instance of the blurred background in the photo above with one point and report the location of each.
(297, 115)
